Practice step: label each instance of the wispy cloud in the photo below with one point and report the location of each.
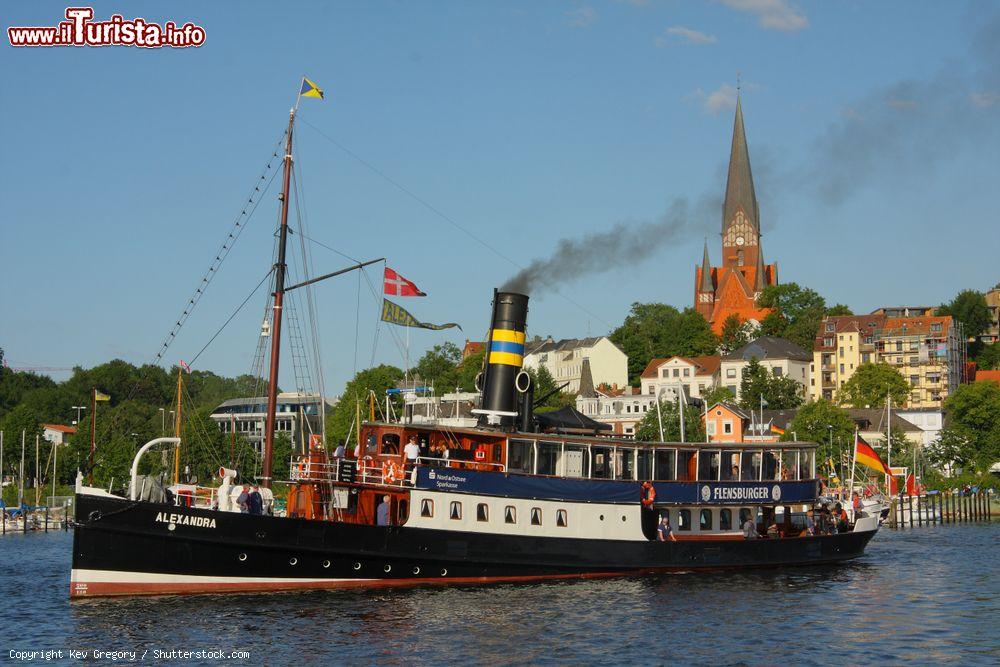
(678, 33)
(984, 99)
(634, 3)
(720, 99)
(771, 14)
(581, 17)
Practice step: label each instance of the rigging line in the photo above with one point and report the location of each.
(448, 219)
(357, 324)
(234, 234)
(235, 312)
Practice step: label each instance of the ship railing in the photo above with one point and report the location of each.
(382, 473)
(314, 471)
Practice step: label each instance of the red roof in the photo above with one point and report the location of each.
(59, 427)
(472, 347)
(988, 376)
(703, 365)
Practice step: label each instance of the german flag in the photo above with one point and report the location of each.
(866, 456)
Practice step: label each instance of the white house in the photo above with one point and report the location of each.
(622, 408)
(57, 433)
(665, 377)
(780, 356)
(564, 360)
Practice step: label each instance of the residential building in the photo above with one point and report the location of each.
(732, 287)
(297, 414)
(57, 433)
(988, 376)
(904, 311)
(928, 351)
(725, 422)
(472, 347)
(622, 408)
(564, 360)
(695, 375)
(992, 333)
(779, 356)
(843, 343)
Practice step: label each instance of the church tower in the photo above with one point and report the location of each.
(733, 286)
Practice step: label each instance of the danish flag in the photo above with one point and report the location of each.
(397, 285)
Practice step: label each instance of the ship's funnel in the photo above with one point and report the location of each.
(504, 357)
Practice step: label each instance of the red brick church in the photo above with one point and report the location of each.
(733, 286)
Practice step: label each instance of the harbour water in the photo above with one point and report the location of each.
(923, 596)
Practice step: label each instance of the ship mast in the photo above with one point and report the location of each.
(279, 297)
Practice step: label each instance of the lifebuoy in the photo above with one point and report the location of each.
(390, 472)
(648, 494)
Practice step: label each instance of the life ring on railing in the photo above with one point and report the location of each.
(391, 473)
(648, 494)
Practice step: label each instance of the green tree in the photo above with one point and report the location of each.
(14, 385)
(734, 334)
(779, 392)
(718, 394)
(797, 314)
(548, 389)
(969, 307)
(814, 422)
(871, 383)
(439, 366)
(973, 420)
(653, 330)
(468, 369)
(648, 430)
(989, 357)
(356, 392)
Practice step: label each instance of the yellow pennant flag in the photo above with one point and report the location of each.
(310, 89)
(100, 396)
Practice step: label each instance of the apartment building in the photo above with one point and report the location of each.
(843, 343)
(564, 360)
(781, 357)
(928, 351)
(666, 377)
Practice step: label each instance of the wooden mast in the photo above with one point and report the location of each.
(279, 297)
(177, 428)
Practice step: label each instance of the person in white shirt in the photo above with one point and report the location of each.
(411, 451)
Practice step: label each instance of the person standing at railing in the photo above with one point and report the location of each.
(411, 451)
(339, 452)
(255, 503)
(244, 499)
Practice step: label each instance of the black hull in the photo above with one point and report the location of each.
(129, 548)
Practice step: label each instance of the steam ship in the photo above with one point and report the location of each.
(509, 501)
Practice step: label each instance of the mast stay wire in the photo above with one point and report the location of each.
(239, 225)
(430, 207)
(230, 319)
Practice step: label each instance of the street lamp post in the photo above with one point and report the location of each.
(78, 409)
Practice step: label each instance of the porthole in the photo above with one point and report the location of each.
(602, 517)
(623, 517)
(416, 570)
(357, 566)
(326, 564)
(242, 557)
(444, 572)
(387, 568)
(293, 561)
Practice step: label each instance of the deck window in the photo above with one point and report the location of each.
(706, 520)
(390, 444)
(482, 512)
(687, 466)
(790, 467)
(521, 456)
(427, 508)
(725, 519)
(683, 519)
(548, 457)
(573, 460)
(456, 510)
(745, 513)
(730, 471)
(561, 518)
(665, 463)
(644, 464)
(708, 466)
(536, 516)
(600, 462)
(510, 514)
(624, 459)
(772, 465)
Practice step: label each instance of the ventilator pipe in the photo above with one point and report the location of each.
(526, 398)
(138, 455)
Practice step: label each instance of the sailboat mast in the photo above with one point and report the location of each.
(279, 297)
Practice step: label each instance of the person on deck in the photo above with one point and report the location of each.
(749, 529)
(664, 533)
(244, 499)
(339, 452)
(810, 523)
(255, 502)
(411, 451)
(840, 517)
(382, 513)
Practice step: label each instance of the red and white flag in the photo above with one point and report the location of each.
(397, 285)
(185, 366)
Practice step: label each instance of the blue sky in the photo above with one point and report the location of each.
(872, 128)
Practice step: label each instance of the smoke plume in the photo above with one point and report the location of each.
(909, 128)
(626, 243)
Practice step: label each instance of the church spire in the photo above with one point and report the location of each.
(759, 279)
(739, 184)
(706, 273)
